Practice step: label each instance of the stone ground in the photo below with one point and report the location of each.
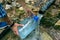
(41, 34)
(35, 35)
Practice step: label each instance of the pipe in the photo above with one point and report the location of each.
(46, 6)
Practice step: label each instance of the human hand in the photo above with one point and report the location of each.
(15, 28)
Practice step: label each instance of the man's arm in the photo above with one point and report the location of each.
(26, 9)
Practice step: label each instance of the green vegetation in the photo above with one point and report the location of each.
(58, 16)
(57, 27)
(49, 20)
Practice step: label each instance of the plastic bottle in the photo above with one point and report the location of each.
(29, 25)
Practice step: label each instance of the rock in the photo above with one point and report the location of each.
(18, 5)
(54, 12)
(14, 3)
(57, 2)
(55, 34)
(57, 23)
(27, 1)
(21, 8)
(8, 6)
(46, 36)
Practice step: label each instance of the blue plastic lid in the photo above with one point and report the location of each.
(36, 18)
(2, 11)
(3, 24)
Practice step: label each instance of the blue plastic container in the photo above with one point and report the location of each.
(30, 24)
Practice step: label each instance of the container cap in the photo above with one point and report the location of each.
(36, 18)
